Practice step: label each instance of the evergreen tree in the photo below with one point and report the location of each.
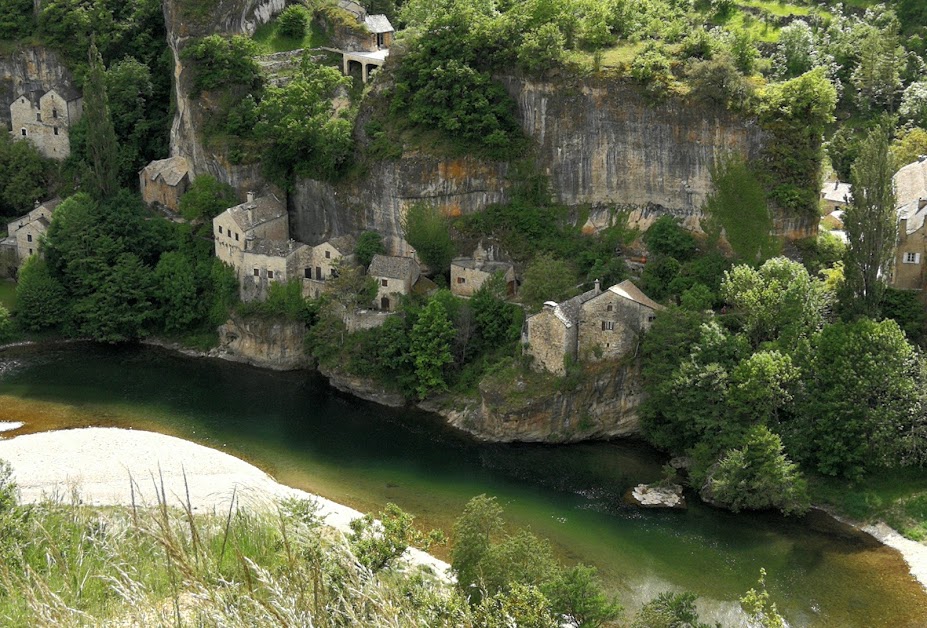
(871, 223)
(101, 136)
(431, 347)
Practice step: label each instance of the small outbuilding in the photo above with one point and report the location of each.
(469, 274)
(164, 181)
(395, 277)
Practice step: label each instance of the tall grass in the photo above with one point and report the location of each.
(63, 563)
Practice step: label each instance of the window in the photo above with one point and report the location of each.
(383, 282)
(38, 117)
(56, 130)
(23, 131)
(270, 274)
(257, 273)
(220, 229)
(328, 254)
(461, 280)
(608, 325)
(55, 114)
(651, 318)
(236, 237)
(308, 273)
(912, 258)
(28, 237)
(608, 308)
(30, 251)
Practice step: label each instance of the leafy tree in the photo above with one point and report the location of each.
(121, 307)
(667, 237)
(6, 326)
(669, 610)
(16, 18)
(870, 223)
(909, 145)
(779, 301)
(906, 308)
(860, 392)
(41, 300)
(758, 475)
(351, 287)
(292, 22)
(744, 51)
(102, 147)
(430, 347)
(761, 386)
(718, 81)
(298, 120)
(914, 103)
(579, 590)
(520, 557)
(496, 321)
(541, 49)
(475, 531)
(796, 51)
(426, 228)
(877, 77)
(206, 198)
(25, 176)
(378, 547)
(176, 291)
(759, 608)
(524, 606)
(220, 62)
(547, 278)
(659, 275)
(737, 206)
(843, 150)
(369, 243)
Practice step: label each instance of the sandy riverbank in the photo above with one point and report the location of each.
(98, 462)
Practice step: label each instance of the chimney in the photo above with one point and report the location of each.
(598, 287)
(250, 212)
(250, 196)
(902, 229)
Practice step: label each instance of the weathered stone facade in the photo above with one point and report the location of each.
(911, 250)
(25, 233)
(592, 326)
(395, 277)
(321, 264)
(45, 118)
(164, 181)
(468, 275)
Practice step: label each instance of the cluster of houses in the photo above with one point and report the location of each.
(23, 237)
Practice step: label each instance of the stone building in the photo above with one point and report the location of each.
(591, 326)
(367, 45)
(246, 227)
(164, 181)
(265, 262)
(322, 261)
(911, 250)
(469, 274)
(836, 195)
(44, 119)
(395, 277)
(24, 234)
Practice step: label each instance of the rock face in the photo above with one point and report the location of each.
(363, 388)
(603, 405)
(269, 344)
(183, 24)
(26, 69)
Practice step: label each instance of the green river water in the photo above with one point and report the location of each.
(294, 426)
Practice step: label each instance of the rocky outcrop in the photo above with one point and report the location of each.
(602, 404)
(26, 69)
(363, 387)
(273, 344)
(656, 496)
(186, 20)
(378, 200)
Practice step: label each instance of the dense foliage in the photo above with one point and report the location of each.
(25, 176)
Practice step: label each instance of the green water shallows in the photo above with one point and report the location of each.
(307, 435)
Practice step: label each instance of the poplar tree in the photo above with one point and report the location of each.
(102, 147)
(870, 223)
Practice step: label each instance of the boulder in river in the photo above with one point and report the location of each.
(656, 496)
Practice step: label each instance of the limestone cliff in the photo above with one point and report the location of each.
(273, 344)
(29, 68)
(189, 19)
(601, 404)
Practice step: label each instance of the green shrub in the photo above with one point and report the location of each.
(292, 22)
(220, 62)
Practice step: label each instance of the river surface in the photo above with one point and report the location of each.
(305, 434)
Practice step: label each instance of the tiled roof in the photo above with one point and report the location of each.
(170, 170)
(344, 244)
(378, 24)
(263, 209)
(483, 265)
(568, 311)
(392, 267)
(837, 192)
(911, 183)
(274, 248)
(628, 290)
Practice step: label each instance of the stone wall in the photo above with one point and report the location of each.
(274, 344)
(549, 341)
(26, 69)
(624, 322)
(911, 276)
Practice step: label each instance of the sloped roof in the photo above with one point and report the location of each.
(837, 192)
(911, 183)
(33, 96)
(378, 24)
(274, 248)
(343, 244)
(568, 311)
(67, 92)
(263, 209)
(392, 267)
(629, 291)
(171, 170)
(915, 213)
(483, 265)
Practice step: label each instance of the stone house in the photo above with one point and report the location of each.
(243, 228)
(836, 195)
(164, 181)
(911, 249)
(395, 277)
(366, 45)
(265, 262)
(591, 326)
(469, 274)
(44, 118)
(24, 234)
(321, 263)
